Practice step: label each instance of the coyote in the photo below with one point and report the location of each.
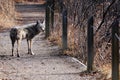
(27, 32)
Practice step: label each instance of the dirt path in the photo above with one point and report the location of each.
(28, 13)
(46, 64)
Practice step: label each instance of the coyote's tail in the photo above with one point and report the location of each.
(13, 32)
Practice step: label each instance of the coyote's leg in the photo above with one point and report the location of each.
(29, 42)
(13, 42)
(18, 47)
(31, 47)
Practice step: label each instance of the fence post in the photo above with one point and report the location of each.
(90, 45)
(115, 50)
(47, 19)
(64, 28)
(52, 14)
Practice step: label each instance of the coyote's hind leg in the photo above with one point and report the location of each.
(13, 42)
(18, 47)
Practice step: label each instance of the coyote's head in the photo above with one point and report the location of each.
(43, 25)
(39, 27)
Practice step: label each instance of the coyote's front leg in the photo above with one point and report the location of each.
(29, 42)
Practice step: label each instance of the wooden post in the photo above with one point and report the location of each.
(115, 50)
(47, 19)
(64, 28)
(52, 14)
(90, 45)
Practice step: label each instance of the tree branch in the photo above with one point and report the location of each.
(104, 15)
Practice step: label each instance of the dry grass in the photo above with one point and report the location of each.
(7, 13)
(5, 21)
(30, 1)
